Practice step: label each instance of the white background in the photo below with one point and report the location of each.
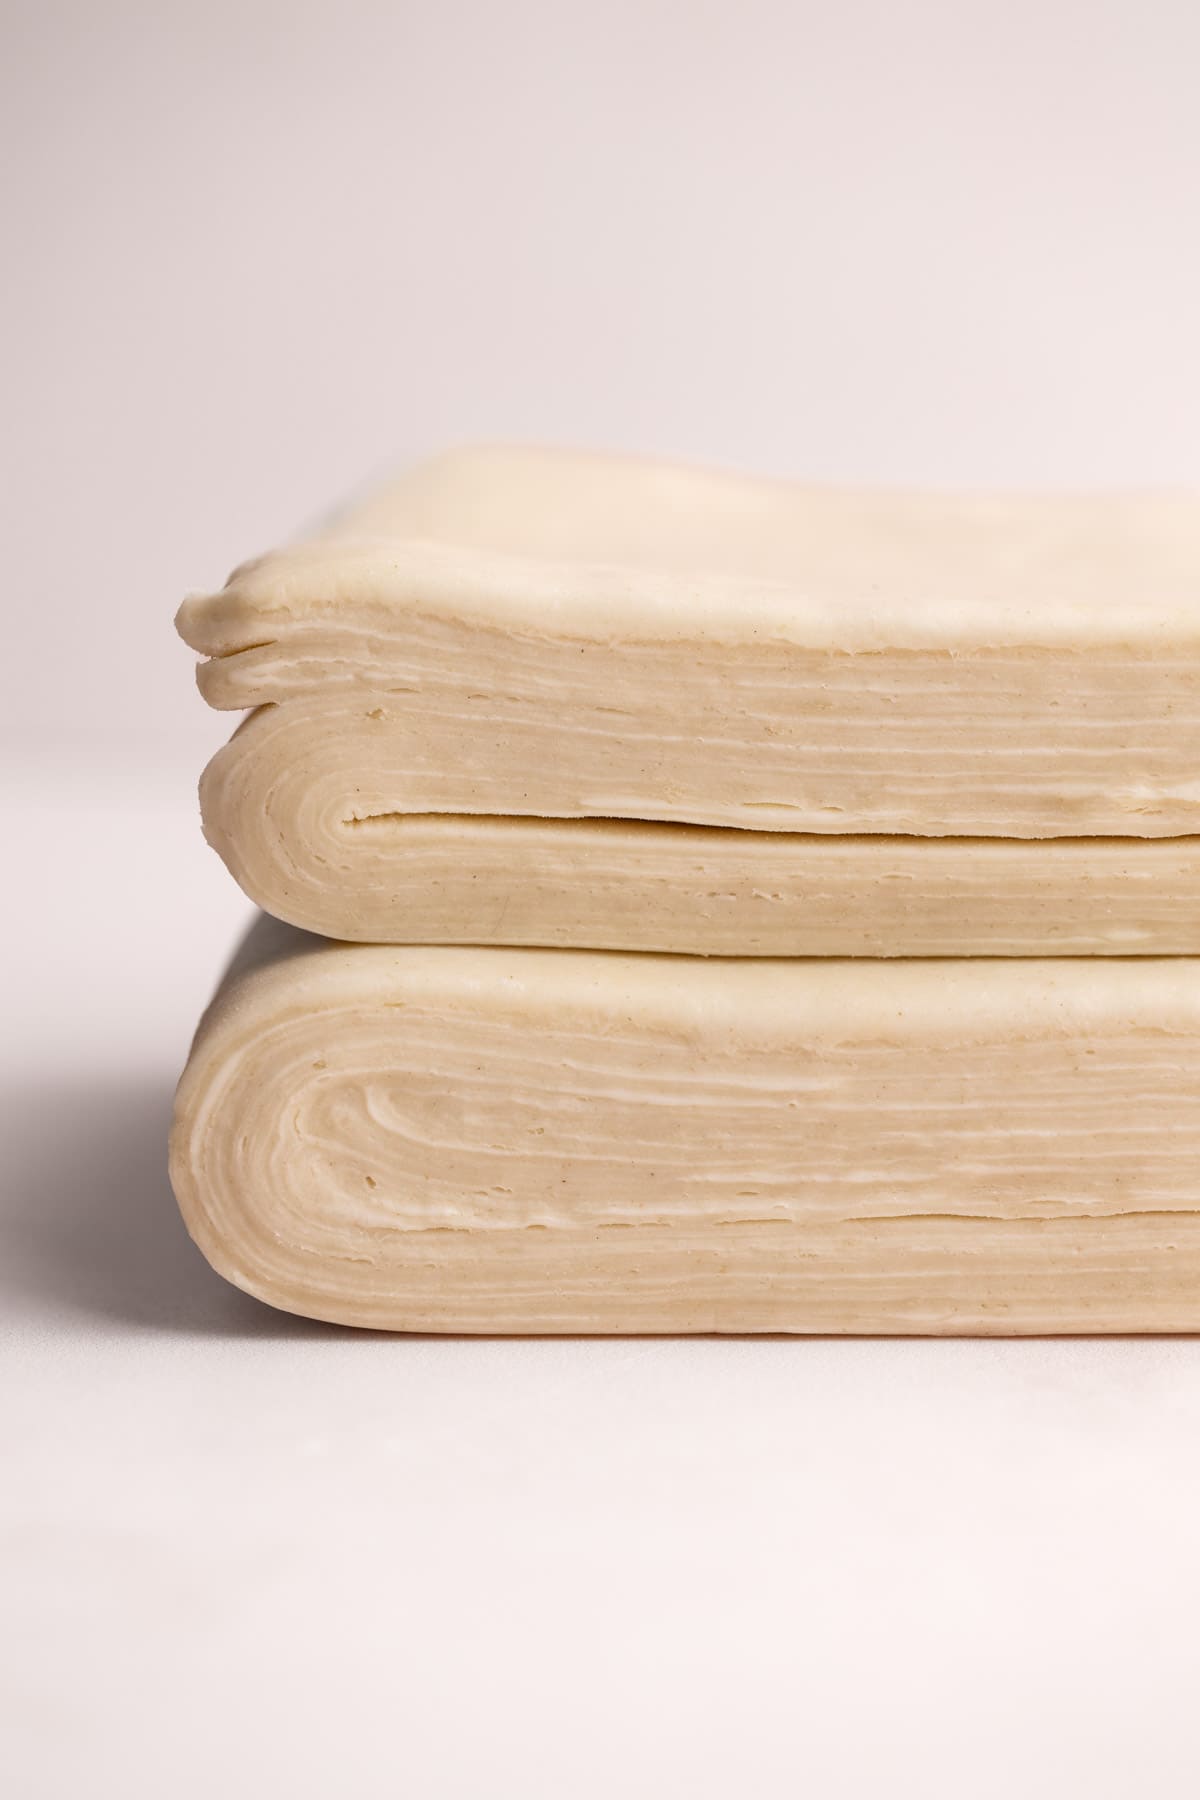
(253, 254)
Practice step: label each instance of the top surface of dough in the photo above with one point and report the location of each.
(582, 543)
(835, 999)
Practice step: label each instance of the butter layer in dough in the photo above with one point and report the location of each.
(560, 1141)
(570, 636)
(274, 804)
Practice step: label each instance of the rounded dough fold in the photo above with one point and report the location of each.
(535, 1141)
(306, 807)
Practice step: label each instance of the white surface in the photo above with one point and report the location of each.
(244, 1554)
(255, 251)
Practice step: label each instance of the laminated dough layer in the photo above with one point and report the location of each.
(526, 633)
(275, 806)
(556, 1141)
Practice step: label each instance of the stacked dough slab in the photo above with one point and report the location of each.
(909, 787)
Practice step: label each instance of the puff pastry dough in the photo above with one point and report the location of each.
(546, 1141)
(509, 636)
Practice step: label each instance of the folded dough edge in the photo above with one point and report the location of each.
(548, 1141)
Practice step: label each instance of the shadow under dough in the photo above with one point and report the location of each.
(89, 1225)
(88, 1221)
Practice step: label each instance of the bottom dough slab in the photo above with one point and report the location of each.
(509, 1141)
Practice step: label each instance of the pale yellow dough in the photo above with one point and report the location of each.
(534, 633)
(504, 637)
(274, 806)
(520, 1140)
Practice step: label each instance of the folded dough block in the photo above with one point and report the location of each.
(510, 635)
(516, 1140)
(278, 820)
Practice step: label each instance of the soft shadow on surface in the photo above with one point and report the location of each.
(89, 1228)
(89, 1225)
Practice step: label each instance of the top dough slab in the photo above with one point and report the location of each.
(748, 652)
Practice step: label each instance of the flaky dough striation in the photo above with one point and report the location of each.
(544, 1141)
(515, 682)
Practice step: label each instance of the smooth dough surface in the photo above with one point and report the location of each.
(556, 1141)
(536, 634)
